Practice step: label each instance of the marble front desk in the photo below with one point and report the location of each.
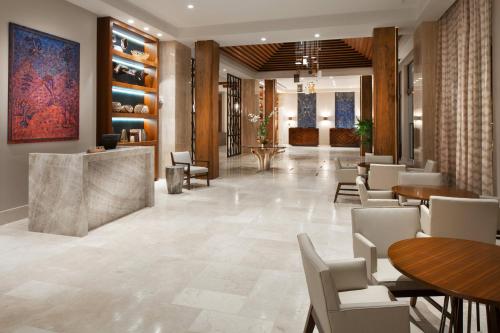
(70, 194)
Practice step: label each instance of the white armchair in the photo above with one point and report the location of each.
(430, 166)
(374, 230)
(379, 159)
(375, 198)
(384, 176)
(418, 178)
(342, 300)
(345, 177)
(472, 219)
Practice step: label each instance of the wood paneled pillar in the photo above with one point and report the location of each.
(269, 102)
(207, 104)
(385, 56)
(366, 105)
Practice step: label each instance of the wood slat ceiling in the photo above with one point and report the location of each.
(334, 53)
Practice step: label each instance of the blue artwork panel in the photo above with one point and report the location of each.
(344, 110)
(306, 110)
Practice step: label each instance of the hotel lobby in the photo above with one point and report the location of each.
(268, 167)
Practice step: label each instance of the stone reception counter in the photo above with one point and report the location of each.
(70, 194)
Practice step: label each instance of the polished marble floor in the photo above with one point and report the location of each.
(217, 259)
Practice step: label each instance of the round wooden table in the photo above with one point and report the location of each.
(265, 154)
(423, 192)
(462, 269)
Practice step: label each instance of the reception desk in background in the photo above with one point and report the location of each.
(298, 136)
(343, 137)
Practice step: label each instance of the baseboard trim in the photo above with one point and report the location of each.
(13, 214)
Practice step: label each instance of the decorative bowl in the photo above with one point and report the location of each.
(140, 55)
(116, 106)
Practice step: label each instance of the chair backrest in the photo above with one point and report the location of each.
(380, 159)
(181, 157)
(320, 284)
(385, 226)
(420, 178)
(384, 176)
(472, 219)
(337, 164)
(431, 166)
(495, 198)
(363, 193)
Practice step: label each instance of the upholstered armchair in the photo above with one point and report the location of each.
(375, 198)
(341, 299)
(472, 219)
(191, 169)
(384, 176)
(345, 177)
(430, 166)
(418, 178)
(379, 159)
(374, 230)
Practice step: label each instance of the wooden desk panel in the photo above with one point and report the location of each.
(303, 136)
(343, 137)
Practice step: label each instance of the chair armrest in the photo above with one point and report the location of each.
(380, 195)
(387, 317)
(346, 175)
(363, 248)
(421, 234)
(425, 219)
(348, 274)
(202, 161)
(382, 203)
(415, 169)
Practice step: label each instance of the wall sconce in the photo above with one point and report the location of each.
(290, 118)
(325, 118)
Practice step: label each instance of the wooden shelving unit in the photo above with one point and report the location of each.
(125, 78)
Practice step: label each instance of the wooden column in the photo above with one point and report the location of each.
(366, 105)
(269, 99)
(207, 104)
(385, 55)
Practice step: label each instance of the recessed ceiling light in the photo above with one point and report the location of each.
(190, 6)
(146, 28)
(317, 35)
(224, 70)
(130, 21)
(331, 77)
(263, 39)
(159, 34)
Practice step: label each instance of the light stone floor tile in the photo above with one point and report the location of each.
(222, 258)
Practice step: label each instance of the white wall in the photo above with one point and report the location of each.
(496, 87)
(325, 107)
(62, 19)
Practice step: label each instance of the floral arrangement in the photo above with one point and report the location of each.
(262, 128)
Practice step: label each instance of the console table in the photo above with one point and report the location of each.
(299, 136)
(70, 194)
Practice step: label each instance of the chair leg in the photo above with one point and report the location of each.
(337, 192)
(208, 181)
(413, 302)
(309, 327)
(469, 316)
(443, 314)
(478, 319)
(189, 181)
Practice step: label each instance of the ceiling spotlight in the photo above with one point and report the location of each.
(331, 77)
(317, 35)
(224, 70)
(263, 39)
(130, 21)
(146, 28)
(159, 34)
(190, 6)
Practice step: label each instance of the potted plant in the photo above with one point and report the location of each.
(364, 129)
(262, 128)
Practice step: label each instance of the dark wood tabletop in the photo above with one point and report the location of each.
(459, 268)
(422, 192)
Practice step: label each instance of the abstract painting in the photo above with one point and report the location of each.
(44, 86)
(344, 110)
(306, 110)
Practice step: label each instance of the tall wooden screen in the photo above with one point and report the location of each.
(233, 115)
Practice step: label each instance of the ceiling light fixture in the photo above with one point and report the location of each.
(263, 39)
(316, 35)
(130, 21)
(190, 6)
(146, 28)
(159, 34)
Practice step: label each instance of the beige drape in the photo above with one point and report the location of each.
(464, 134)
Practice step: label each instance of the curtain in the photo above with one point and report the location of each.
(464, 115)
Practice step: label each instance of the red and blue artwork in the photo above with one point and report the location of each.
(44, 86)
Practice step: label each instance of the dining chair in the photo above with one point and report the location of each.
(343, 301)
(371, 198)
(384, 176)
(191, 167)
(345, 177)
(418, 178)
(430, 166)
(379, 159)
